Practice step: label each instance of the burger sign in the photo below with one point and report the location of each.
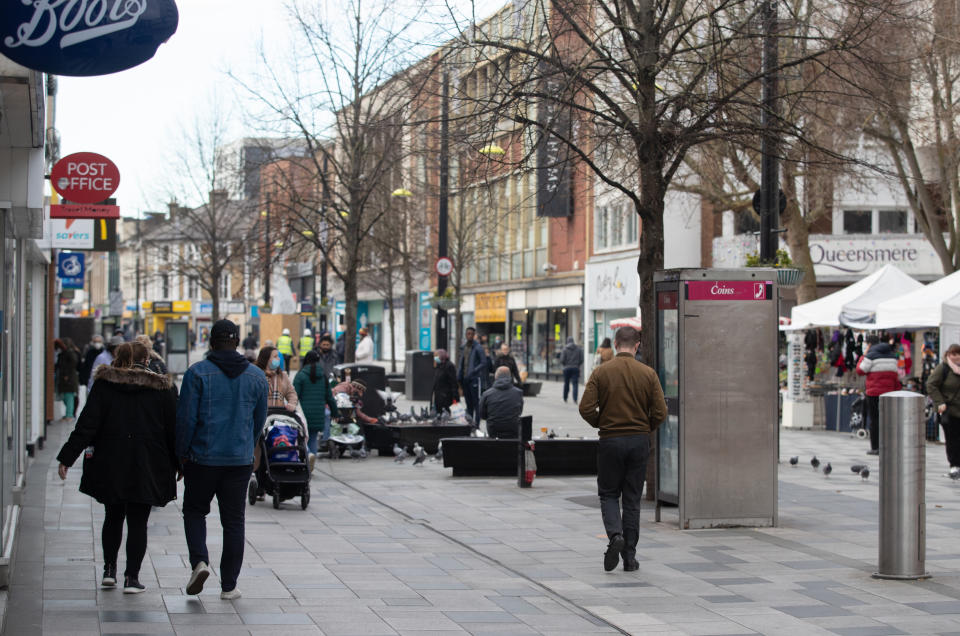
(85, 177)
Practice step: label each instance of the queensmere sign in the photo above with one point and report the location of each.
(85, 37)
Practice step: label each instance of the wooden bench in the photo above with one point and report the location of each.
(488, 457)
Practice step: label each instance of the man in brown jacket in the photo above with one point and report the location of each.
(624, 399)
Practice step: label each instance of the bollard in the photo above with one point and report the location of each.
(524, 435)
(902, 487)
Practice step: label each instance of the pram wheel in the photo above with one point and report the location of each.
(305, 498)
(252, 492)
(276, 499)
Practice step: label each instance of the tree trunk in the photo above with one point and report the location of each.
(393, 338)
(410, 312)
(215, 299)
(798, 242)
(350, 315)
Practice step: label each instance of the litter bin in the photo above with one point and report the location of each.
(419, 375)
(902, 496)
(373, 375)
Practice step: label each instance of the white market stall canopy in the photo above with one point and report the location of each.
(923, 307)
(857, 303)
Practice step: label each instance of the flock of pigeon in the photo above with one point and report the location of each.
(401, 454)
(857, 469)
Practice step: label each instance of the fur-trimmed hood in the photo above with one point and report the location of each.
(133, 377)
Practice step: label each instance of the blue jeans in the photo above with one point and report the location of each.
(621, 469)
(229, 485)
(571, 375)
(312, 444)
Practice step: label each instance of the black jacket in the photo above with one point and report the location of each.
(510, 363)
(86, 365)
(67, 377)
(328, 360)
(571, 357)
(501, 405)
(129, 419)
(445, 387)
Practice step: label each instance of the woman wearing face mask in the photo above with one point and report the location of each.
(282, 393)
(445, 387)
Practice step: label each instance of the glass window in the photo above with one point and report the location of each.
(164, 286)
(893, 221)
(857, 221)
(225, 293)
(528, 264)
(539, 342)
(516, 265)
(603, 222)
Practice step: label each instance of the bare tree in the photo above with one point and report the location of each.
(341, 91)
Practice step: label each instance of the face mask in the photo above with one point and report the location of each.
(275, 363)
(98, 345)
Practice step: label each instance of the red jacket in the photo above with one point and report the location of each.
(880, 366)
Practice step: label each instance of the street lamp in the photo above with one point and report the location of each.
(492, 149)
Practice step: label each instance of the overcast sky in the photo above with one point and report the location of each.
(134, 117)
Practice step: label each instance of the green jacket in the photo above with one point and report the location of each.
(943, 387)
(313, 397)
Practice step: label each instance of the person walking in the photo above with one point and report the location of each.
(222, 409)
(943, 387)
(879, 364)
(156, 363)
(286, 348)
(364, 351)
(501, 405)
(604, 353)
(328, 358)
(94, 348)
(250, 347)
(67, 374)
(571, 359)
(472, 368)
(104, 357)
(127, 427)
(282, 393)
(506, 359)
(315, 397)
(306, 345)
(624, 400)
(444, 381)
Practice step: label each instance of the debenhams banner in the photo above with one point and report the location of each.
(845, 258)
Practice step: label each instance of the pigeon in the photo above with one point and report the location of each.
(856, 468)
(396, 449)
(827, 469)
(865, 473)
(794, 460)
(439, 455)
(421, 455)
(402, 455)
(815, 462)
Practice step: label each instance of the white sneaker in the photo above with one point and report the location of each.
(197, 578)
(954, 472)
(312, 461)
(232, 595)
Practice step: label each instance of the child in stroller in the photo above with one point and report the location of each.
(282, 472)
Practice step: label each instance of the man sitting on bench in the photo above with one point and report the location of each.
(501, 406)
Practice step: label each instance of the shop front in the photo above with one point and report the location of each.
(159, 312)
(612, 291)
(490, 316)
(539, 322)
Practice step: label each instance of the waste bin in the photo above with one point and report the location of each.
(419, 375)
(373, 375)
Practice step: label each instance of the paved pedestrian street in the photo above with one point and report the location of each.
(387, 548)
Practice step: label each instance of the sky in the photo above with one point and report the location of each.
(135, 117)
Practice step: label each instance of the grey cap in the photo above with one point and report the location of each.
(116, 341)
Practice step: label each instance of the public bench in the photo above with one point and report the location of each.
(489, 457)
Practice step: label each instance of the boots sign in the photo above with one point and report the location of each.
(84, 37)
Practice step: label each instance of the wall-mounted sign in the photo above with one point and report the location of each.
(728, 290)
(613, 284)
(70, 269)
(68, 234)
(85, 37)
(84, 211)
(490, 307)
(443, 266)
(553, 153)
(85, 177)
(162, 307)
(426, 321)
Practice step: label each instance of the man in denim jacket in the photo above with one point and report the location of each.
(223, 405)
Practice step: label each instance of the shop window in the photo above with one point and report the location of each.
(857, 221)
(892, 221)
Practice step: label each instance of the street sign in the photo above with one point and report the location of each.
(85, 38)
(444, 266)
(85, 177)
(85, 211)
(70, 269)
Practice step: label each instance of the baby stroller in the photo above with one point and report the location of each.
(283, 471)
(858, 423)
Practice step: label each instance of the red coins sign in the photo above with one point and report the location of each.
(85, 177)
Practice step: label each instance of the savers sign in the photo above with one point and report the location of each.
(85, 177)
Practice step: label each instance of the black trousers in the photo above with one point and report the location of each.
(229, 485)
(136, 515)
(471, 395)
(621, 468)
(571, 376)
(951, 435)
(872, 414)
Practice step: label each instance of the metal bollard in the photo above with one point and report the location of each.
(902, 487)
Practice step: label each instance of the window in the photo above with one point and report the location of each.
(857, 222)
(225, 293)
(193, 289)
(164, 286)
(615, 226)
(892, 221)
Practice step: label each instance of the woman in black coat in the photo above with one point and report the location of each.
(127, 428)
(67, 375)
(445, 387)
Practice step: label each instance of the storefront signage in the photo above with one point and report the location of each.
(85, 177)
(426, 321)
(162, 307)
(69, 234)
(84, 211)
(613, 285)
(491, 307)
(728, 290)
(70, 269)
(553, 154)
(182, 306)
(85, 37)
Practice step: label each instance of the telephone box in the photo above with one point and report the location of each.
(177, 346)
(717, 361)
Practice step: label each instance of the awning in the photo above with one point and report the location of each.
(920, 308)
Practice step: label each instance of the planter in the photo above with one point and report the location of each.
(789, 277)
(444, 303)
